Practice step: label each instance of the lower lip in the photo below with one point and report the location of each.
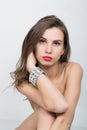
(47, 58)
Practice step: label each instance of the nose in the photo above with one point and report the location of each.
(48, 49)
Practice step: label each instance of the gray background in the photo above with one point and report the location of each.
(16, 18)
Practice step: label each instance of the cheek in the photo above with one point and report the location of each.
(61, 52)
(37, 53)
(39, 50)
(36, 50)
(58, 54)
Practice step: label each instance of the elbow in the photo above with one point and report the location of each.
(56, 107)
(63, 107)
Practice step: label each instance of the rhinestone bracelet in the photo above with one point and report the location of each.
(34, 75)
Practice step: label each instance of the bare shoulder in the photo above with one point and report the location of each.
(74, 68)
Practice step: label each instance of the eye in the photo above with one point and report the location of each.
(57, 43)
(42, 41)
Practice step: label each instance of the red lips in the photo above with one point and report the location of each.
(47, 58)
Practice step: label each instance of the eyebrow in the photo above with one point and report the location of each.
(58, 40)
(43, 38)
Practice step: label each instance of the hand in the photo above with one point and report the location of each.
(31, 61)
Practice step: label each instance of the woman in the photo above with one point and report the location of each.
(47, 78)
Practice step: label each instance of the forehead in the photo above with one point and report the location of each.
(53, 33)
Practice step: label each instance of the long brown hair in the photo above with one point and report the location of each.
(21, 74)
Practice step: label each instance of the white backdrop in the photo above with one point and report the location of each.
(16, 18)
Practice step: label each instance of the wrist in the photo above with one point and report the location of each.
(35, 73)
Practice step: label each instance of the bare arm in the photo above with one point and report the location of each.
(46, 94)
(51, 96)
(72, 93)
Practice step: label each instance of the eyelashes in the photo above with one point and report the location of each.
(42, 40)
(55, 42)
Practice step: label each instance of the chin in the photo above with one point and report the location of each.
(45, 64)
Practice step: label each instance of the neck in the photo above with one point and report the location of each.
(51, 71)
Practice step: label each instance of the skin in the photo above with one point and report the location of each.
(54, 102)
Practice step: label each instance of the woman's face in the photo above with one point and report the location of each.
(50, 47)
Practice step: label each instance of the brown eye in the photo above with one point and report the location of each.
(42, 41)
(57, 43)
